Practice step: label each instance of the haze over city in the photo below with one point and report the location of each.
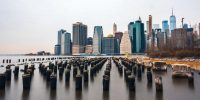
(31, 26)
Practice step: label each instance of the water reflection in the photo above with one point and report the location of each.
(106, 95)
(25, 95)
(86, 86)
(2, 94)
(149, 86)
(191, 85)
(159, 96)
(67, 85)
(132, 95)
(8, 83)
(78, 95)
(53, 94)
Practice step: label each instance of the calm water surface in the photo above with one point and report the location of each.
(178, 89)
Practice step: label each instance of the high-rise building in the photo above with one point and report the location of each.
(97, 39)
(182, 38)
(150, 26)
(79, 38)
(165, 26)
(63, 46)
(172, 22)
(66, 43)
(118, 36)
(138, 37)
(125, 45)
(130, 30)
(110, 45)
(57, 49)
(89, 41)
(114, 28)
(161, 41)
(185, 26)
(60, 32)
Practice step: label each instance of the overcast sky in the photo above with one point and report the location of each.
(31, 25)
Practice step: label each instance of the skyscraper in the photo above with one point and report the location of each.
(138, 37)
(114, 28)
(89, 41)
(150, 26)
(125, 45)
(130, 29)
(118, 36)
(79, 38)
(165, 25)
(64, 43)
(172, 22)
(110, 45)
(60, 32)
(57, 49)
(97, 39)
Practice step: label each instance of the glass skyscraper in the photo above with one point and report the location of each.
(172, 22)
(63, 46)
(165, 26)
(110, 46)
(138, 37)
(79, 38)
(97, 39)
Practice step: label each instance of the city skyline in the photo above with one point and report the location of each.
(22, 22)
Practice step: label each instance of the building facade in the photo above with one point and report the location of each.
(125, 45)
(79, 38)
(138, 42)
(165, 26)
(66, 43)
(114, 28)
(182, 38)
(57, 49)
(110, 46)
(97, 39)
(63, 46)
(150, 26)
(118, 36)
(172, 22)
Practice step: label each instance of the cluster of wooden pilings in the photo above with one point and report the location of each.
(96, 65)
(106, 76)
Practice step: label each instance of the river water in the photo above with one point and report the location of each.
(173, 89)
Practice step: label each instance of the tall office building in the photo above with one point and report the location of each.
(182, 38)
(79, 38)
(118, 36)
(147, 26)
(165, 25)
(89, 41)
(63, 46)
(125, 45)
(114, 28)
(66, 43)
(130, 29)
(172, 22)
(155, 38)
(97, 39)
(138, 37)
(57, 49)
(150, 26)
(60, 32)
(110, 45)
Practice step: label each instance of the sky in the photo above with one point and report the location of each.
(28, 26)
